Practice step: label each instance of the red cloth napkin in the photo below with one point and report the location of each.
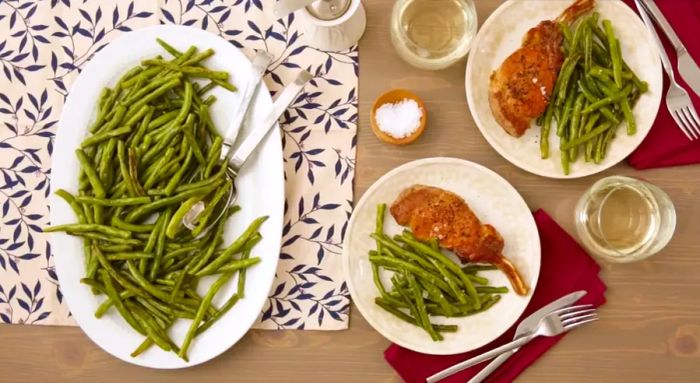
(565, 268)
(666, 145)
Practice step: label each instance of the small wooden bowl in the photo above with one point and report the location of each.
(392, 97)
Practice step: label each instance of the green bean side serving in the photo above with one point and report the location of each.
(152, 153)
(594, 93)
(426, 283)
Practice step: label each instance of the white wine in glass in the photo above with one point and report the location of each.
(433, 34)
(623, 219)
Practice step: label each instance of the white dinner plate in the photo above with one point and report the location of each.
(260, 192)
(494, 201)
(502, 34)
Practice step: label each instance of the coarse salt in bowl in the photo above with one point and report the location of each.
(398, 117)
(399, 120)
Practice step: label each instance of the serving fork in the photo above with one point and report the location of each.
(556, 323)
(677, 99)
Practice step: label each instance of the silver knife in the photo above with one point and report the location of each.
(260, 63)
(687, 68)
(281, 102)
(524, 328)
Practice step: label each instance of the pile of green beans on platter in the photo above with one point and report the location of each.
(594, 93)
(425, 283)
(151, 154)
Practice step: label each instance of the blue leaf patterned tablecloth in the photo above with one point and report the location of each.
(43, 46)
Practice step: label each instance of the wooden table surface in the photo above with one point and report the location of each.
(650, 330)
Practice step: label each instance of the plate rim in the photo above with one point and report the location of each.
(363, 200)
(527, 166)
(277, 206)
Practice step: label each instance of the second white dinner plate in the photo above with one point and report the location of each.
(501, 35)
(494, 201)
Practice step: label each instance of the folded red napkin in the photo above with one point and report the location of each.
(565, 268)
(666, 145)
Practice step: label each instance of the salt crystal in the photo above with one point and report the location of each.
(399, 120)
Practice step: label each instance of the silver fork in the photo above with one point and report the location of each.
(556, 323)
(677, 99)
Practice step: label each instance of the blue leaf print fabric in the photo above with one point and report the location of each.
(43, 47)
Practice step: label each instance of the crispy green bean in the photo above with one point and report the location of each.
(160, 246)
(179, 252)
(379, 230)
(152, 329)
(109, 248)
(108, 303)
(153, 310)
(118, 304)
(189, 136)
(567, 110)
(188, 69)
(128, 256)
(145, 285)
(588, 94)
(206, 302)
(613, 46)
(104, 136)
(404, 265)
(90, 173)
(158, 92)
(629, 117)
(105, 169)
(403, 253)
(453, 267)
(130, 201)
(609, 100)
(113, 122)
(240, 288)
(239, 264)
(587, 46)
(420, 308)
(206, 88)
(234, 248)
(77, 209)
(492, 290)
(585, 137)
(153, 85)
(172, 185)
(106, 238)
(470, 269)
(203, 258)
(565, 75)
(178, 284)
(144, 210)
(125, 283)
(198, 57)
(544, 133)
(87, 227)
(435, 294)
(219, 313)
(138, 115)
(213, 156)
(407, 318)
(119, 224)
